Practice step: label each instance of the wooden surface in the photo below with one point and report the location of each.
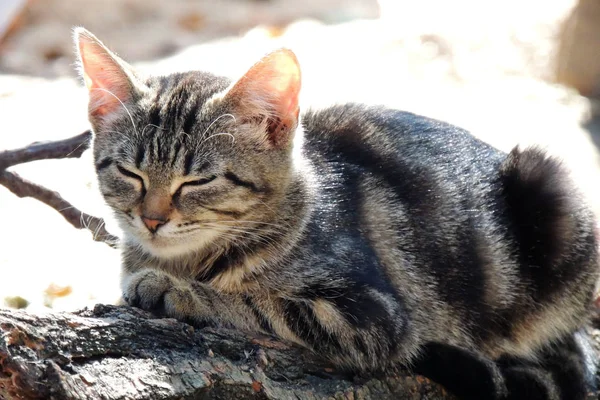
(123, 353)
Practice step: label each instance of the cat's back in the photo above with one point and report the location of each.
(375, 136)
(491, 232)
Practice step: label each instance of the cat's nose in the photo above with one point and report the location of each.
(153, 224)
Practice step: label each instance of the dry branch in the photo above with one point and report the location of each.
(123, 353)
(67, 148)
(80, 220)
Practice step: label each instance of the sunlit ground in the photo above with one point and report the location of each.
(486, 67)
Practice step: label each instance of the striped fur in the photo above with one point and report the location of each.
(372, 236)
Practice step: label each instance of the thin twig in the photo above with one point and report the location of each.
(80, 220)
(68, 148)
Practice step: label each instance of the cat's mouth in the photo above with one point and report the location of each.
(170, 244)
(156, 239)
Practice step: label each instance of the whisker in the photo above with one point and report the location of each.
(248, 221)
(78, 146)
(119, 100)
(216, 119)
(184, 133)
(258, 236)
(273, 211)
(153, 125)
(224, 231)
(183, 231)
(156, 126)
(219, 134)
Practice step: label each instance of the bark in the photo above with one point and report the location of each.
(115, 353)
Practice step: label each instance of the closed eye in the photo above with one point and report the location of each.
(194, 183)
(130, 174)
(199, 182)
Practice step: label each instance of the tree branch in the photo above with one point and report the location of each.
(80, 220)
(124, 353)
(67, 148)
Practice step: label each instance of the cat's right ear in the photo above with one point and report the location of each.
(269, 93)
(109, 79)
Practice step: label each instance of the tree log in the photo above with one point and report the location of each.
(115, 353)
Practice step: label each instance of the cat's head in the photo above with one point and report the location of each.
(190, 159)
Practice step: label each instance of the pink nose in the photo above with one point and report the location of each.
(153, 224)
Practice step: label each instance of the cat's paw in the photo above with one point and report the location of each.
(159, 293)
(146, 289)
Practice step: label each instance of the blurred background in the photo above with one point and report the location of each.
(512, 72)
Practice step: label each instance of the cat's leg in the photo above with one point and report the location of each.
(146, 288)
(363, 329)
(563, 371)
(165, 295)
(466, 374)
(528, 381)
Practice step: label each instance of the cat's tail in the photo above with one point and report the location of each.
(554, 230)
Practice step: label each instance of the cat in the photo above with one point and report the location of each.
(372, 236)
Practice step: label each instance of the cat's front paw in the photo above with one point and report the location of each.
(159, 293)
(146, 289)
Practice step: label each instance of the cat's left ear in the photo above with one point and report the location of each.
(268, 94)
(109, 80)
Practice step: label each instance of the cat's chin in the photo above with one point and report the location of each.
(167, 248)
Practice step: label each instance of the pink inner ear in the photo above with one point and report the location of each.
(271, 88)
(288, 90)
(288, 84)
(105, 79)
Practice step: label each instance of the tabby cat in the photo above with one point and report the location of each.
(372, 236)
